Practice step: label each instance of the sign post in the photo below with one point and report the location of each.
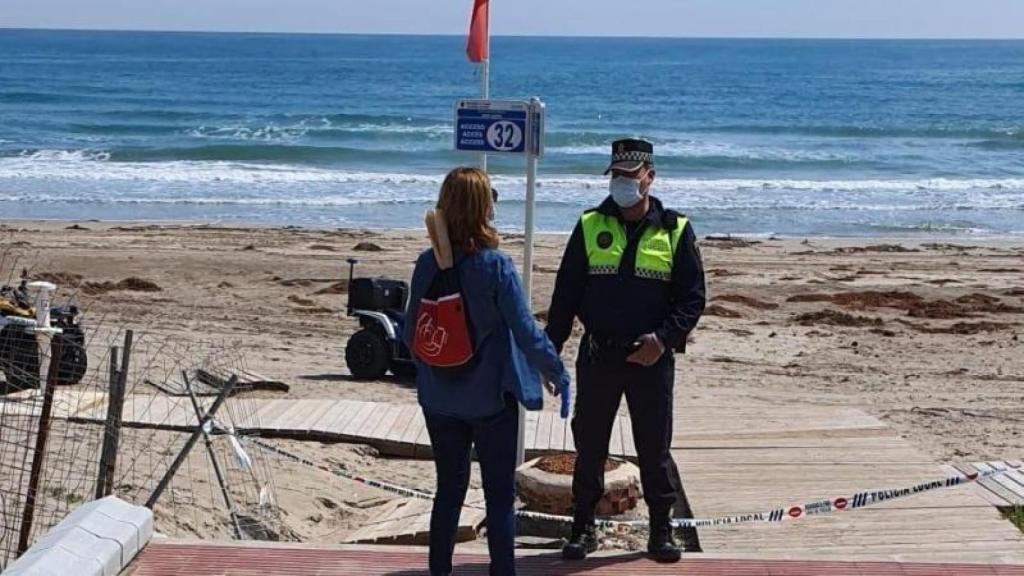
(508, 127)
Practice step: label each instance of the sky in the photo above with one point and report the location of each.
(676, 18)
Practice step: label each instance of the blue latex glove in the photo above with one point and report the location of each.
(565, 392)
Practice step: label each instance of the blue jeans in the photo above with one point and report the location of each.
(495, 439)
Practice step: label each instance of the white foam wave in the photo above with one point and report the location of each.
(444, 130)
(703, 149)
(91, 177)
(268, 133)
(62, 156)
(293, 132)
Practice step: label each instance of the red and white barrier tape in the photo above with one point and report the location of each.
(794, 512)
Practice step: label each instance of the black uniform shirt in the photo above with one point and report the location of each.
(621, 307)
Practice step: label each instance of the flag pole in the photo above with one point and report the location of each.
(485, 77)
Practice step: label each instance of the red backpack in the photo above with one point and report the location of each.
(442, 338)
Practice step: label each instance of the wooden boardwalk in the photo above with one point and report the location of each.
(1004, 490)
(737, 459)
(406, 521)
(734, 458)
(393, 429)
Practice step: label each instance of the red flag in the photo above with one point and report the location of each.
(476, 46)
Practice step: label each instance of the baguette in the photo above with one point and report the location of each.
(437, 229)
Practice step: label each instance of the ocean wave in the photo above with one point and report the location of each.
(708, 206)
(1007, 144)
(320, 127)
(25, 97)
(148, 164)
(715, 152)
(294, 145)
(853, 131)
(63, 156)
(94, 177)
(272, 152)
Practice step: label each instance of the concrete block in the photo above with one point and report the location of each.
(83, 544)
(54, 562)
(98, 538)
(139, 517)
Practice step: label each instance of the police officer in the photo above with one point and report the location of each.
(633, 275)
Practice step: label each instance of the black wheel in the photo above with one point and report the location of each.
(73, 360)
(367, 354)
(19, 359)
(405, 370)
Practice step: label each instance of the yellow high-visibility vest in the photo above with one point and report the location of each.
(605, 239)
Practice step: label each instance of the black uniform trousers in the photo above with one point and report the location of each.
(601, 380)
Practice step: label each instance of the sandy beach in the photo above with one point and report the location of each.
(922, 334)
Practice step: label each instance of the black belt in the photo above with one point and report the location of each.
(598, 349)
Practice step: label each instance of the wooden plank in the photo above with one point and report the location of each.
(331, 412)
(341, 414)
(317, 415)
(406, 415)
(287, 421)
(556, 441)
(1014, 490)
(270, 410)
(386, 421)
(1018, 478)
(423, 438)
(81, 403)
(416, 426)
(615, 442)
(541, 439)
(373, 421)
(354, 427)
(180, 412)
(406, 521)
(530, 431)
(150, 409)
(628, 445)
(421, 446)
(570, 441)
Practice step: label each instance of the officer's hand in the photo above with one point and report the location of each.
(550, 386)
(649, 352)
(562, 389)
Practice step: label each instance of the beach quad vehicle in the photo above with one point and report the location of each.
(19, 324)
(377, 347)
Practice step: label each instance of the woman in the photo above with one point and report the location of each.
(478, 405)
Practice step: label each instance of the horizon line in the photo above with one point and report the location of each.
(451, 35)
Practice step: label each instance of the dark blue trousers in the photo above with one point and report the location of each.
(452, 440)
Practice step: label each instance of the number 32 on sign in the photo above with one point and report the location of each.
(499, 126)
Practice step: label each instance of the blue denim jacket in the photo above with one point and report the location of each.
(511, 350)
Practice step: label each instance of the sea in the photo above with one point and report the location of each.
(793, 138)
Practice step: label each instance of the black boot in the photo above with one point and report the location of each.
(661, 546)
(583, 540)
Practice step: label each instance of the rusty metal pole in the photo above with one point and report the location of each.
(101, 477)
(228, 501)
(115, 409)
(196, 433)
(39, 452)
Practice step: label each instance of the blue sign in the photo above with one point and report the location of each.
(492, 126)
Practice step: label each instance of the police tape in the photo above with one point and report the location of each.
(777, 515)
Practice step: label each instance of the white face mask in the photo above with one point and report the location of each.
(625, 191)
